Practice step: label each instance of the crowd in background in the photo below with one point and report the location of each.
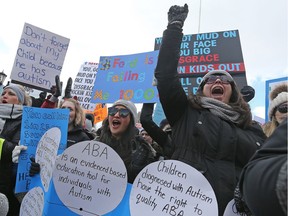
(211, 130)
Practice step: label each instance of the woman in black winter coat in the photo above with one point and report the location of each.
(11, 106)
(119, 132)
(212, 130)
(263, 182)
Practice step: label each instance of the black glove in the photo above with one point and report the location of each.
(34, 168)
(177, 15)
(43, 95)
(68, 88)
(58, 89)
(248, 93)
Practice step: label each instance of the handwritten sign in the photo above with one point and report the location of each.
(126, 77)
(46, 153)
(83, 85)
(35, 123)
(39, 57)
(171, 187)
(90, 178)
(33, 202)
(201, 53)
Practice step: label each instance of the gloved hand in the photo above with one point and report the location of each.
(16, 152)
(58, 89)
(177, 15)
(68, 88)
(248, 93)
(34, 168)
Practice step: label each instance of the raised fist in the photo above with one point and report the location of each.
(177, 14)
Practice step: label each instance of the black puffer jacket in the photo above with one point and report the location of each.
(76, 135)
(217, 148)
(11, 135)
(264, 179)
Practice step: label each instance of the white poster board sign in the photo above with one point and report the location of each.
(171, 187)
(90, 178)
(83, 85)
(39, 57)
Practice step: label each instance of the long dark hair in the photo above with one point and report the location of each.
(123, 145)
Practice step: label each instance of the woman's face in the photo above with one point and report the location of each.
(281, 112)
(218, 88)
(72, 114)
(9, 97)
(118, 123)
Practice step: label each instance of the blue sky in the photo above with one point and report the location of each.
(106, 28)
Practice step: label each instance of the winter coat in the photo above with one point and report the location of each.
(217, 148)
(77, 134)
(135, 159)
(11, 135)
(263, 182)
(154, 131)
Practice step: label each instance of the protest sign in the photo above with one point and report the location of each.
(231, 210)
(126, 77)
(90, 178)
(201, 53)
(33, 202)
(171, 187)
(36, 123)
(83, 85)
(39, 58)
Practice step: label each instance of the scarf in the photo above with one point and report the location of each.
(9, 111)
(220, 109)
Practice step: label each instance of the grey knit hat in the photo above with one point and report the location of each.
(130, 106)
(279, 98)
(215, 72)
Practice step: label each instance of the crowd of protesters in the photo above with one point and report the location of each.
(211, 130)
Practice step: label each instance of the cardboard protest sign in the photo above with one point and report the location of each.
(231, 210)
(126, 77)
(83, 85)
(33, 202)
(90, 178)
(36, 123)
(170, 187)
(201, 53)
(39, 58)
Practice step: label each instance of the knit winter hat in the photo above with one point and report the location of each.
(129, 105)
(18, 91)
(278, 96)
(214, 72)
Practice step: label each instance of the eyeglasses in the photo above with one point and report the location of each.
(282, 108)
(212, 79)
(122, 112)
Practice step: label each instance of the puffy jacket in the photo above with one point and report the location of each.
(76, 135)
(264, 179)
(215, 147)
(10, 137)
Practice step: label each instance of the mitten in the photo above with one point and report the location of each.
(248, 93)
(34, 168)
(16, 152)
(68, 88)
(177, 15)
(58, 89)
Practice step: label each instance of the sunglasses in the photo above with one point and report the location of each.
(122, 112)
(212, 79)
(282, 108)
